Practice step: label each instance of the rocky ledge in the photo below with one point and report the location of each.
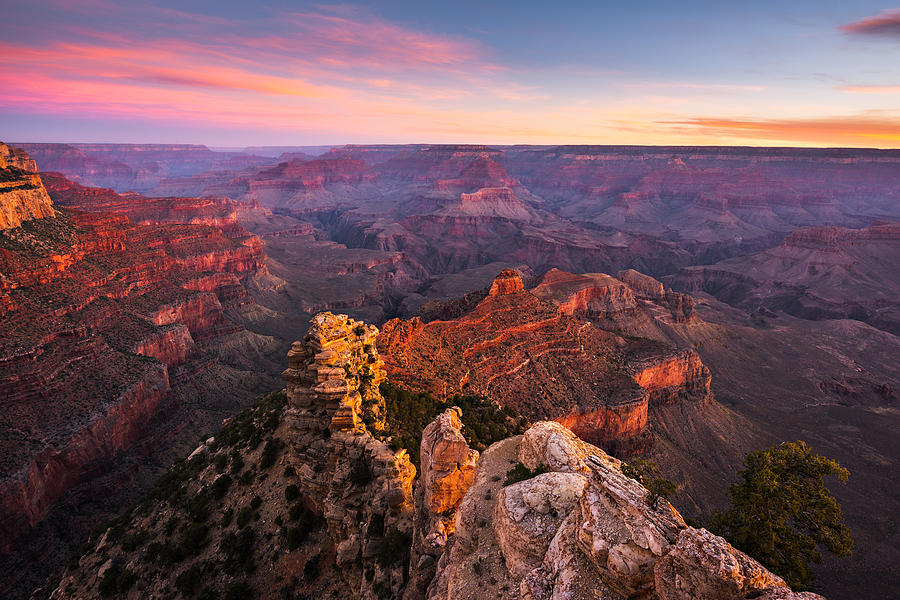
(582, 529)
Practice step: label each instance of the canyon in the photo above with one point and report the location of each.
(687, 304)
(376, 527)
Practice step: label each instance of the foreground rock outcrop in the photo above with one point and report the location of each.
(584, 530)
(565, 523)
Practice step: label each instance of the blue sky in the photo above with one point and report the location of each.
(239, 73)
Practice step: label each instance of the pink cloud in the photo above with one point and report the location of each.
(887, 23)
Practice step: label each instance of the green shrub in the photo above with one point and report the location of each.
(782, 513)
(270, 453)
(311, 568)
(238, 550)
(239, 590)
(256, 502)
(647, 474)
(220, 486)
(193, 538)
(520, 472)
(360, 473)
(408, 413)
(227, 516)
(116, 580)
(188, 581)
(132, 541)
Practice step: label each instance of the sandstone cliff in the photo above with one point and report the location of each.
(22, 195)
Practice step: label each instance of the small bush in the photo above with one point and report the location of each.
(239, 590)
(270, 453)
(243, 517)
(360, 473)
(116, 580)
(256, 502)
(311, 568)
(647, 474)
(227, 516)
(520, 472)
(238, 550)
(394, 547)
(220, 486)
(188, 581)
(291, 492)
(289, 471)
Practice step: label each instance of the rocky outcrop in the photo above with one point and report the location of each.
(679, 377)
(585, 530)
(554, 352)
(447, 472)
(22, 195)
(507, 282)
(363, 488)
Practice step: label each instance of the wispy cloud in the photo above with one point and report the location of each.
(885, 24)
(855, 130)
(871, 89)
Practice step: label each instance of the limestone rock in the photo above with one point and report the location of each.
(362, 487)
(704, 565)
(550, 444)
(528, 514)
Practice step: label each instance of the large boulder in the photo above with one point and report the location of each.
(704, 565)
(528, 514)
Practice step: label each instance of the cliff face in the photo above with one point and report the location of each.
(537, 351)
(22, 196)
(104, 325)
(351, 477)
(815, 273)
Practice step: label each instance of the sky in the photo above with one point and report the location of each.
(226, 73)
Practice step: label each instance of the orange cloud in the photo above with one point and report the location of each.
(852, 130)
(887, 23)
(872, 89)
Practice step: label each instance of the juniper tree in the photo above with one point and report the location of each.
(782, 513)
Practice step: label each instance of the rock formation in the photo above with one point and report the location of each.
(576, 527)
(447, 472)
(584, 530)
(363, 488)
(22, 196)
(537, 351)
(815, 273)
(106, 328)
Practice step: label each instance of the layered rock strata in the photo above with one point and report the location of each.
(555, 352)
(22, 196)
(363, 488)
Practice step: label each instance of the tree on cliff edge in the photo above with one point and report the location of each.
(782, 512)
